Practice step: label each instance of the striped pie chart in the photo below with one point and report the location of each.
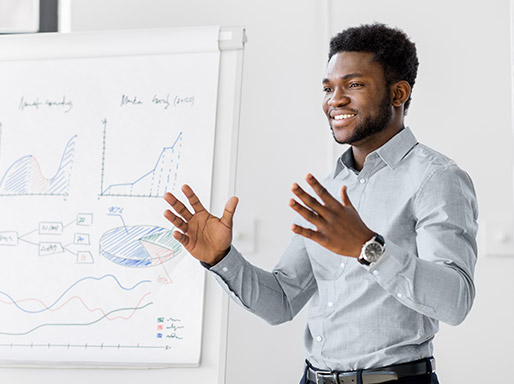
(139, 246)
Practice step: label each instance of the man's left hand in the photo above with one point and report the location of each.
(339, 227)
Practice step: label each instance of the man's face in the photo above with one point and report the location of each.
(357, 102)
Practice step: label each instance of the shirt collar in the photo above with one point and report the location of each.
(391, 152)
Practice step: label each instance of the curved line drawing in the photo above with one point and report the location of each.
(77, 324)
(68, 289)
(155, 182)
(24, 176)
(69, 300)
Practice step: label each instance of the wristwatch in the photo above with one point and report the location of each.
(372, 250)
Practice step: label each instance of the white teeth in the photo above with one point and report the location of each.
(345, 116)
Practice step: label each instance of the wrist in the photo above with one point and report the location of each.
(217, 258)
(364, 237)
(372, 250)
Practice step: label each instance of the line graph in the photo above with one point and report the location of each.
(153, 183)
(25, 177)
(133, 309)
(34, 314)
(84, 304)
(61, 296)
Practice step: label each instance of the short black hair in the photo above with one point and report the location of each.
(391, 47)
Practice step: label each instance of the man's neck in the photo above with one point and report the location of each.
(363, 148)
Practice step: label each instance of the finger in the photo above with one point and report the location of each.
(193, 199)
(175, 220)
(307, 233)
(320, 190)
(228, 213)
(178, 206)
(307, 214)
(307, 199)
(181, 238)
(345, 198)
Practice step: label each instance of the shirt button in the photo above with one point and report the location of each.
(375, 273)
(224, 269)
(341, 265)
(399, 295)
(319, 339)
(330, 304)
(362, 181)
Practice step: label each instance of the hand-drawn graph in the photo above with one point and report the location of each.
(78, 287)
(24, 176)
(139, 246)
(56, 312)
(154, 183)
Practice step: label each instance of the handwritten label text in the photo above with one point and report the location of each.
(64, 104)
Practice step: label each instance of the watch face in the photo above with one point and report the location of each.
(373, 252)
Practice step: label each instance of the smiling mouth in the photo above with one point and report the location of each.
(344, 116)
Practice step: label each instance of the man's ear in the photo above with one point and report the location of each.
(400, 93)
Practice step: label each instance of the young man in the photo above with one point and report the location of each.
(384, 248)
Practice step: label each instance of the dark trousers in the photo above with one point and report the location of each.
(424, 379)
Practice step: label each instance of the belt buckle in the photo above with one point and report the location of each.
(326, 374)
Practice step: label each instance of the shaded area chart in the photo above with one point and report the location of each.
(24, 176)
(156, 182)
(139, 246)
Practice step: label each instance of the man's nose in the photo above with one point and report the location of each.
(338, 98)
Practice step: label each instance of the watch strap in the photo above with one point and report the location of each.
(379, 239)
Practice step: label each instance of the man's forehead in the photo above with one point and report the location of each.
(347, 63)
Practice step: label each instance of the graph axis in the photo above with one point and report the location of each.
(159, 184)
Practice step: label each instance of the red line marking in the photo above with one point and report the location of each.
(83, 303)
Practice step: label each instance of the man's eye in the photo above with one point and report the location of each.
(355, 85)
(327, 89)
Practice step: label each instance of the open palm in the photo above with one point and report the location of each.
(204, 235)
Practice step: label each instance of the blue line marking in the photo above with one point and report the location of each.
(70, 287)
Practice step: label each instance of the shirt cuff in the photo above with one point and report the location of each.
(230, 265)
(210, 267)
(205, 265)
(387, 266)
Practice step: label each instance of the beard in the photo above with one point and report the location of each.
(371, 124)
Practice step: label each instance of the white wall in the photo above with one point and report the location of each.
(461, 106)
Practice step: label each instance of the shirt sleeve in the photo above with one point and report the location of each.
(275, 296)
(438, 280)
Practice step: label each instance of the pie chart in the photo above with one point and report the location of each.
(139, 246)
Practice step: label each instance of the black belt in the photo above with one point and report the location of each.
(373, 375)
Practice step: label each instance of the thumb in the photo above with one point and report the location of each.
(345, 198)
(230, 209)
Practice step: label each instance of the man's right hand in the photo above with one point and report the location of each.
(205, 236)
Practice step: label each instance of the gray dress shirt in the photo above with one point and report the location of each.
(361, 317)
